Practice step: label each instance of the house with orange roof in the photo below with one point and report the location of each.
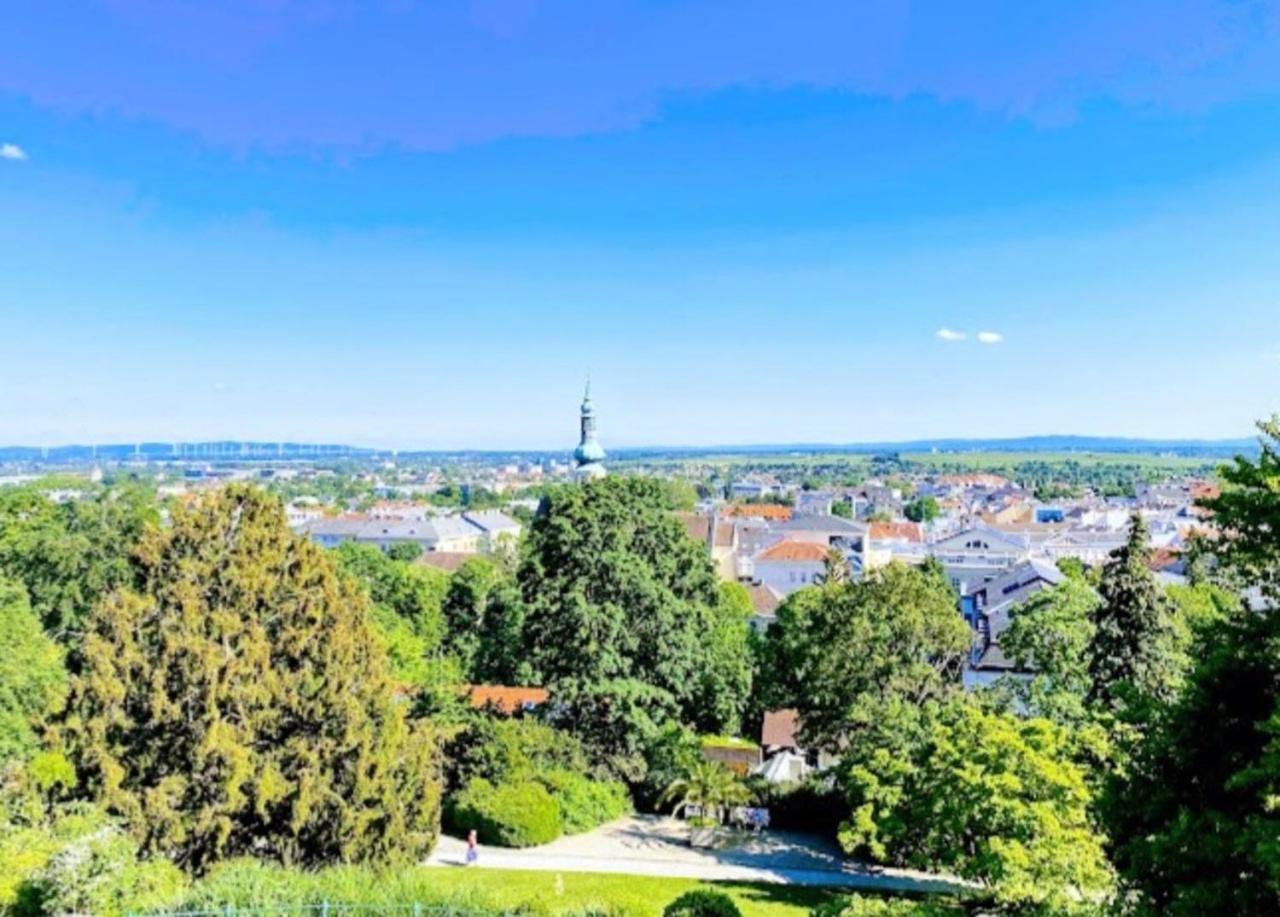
(788, 565)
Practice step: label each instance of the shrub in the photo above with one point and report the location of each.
(586, 803)
(99, 873)
(866, 906)
(498, 749)
(702, 902)
(519, 814)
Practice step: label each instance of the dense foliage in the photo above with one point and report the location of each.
(623, 618)
(33, 682)
(69, 554)
(500, 752)
(509, 814)
(1195, 822)
(1133, 656)
(237, 701)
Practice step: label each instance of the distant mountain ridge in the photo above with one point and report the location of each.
(237, 450)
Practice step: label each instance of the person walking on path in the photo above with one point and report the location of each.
(473, 849)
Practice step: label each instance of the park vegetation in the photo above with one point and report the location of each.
(199, 707)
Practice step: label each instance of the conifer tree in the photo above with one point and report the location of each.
(1133, 653)
(237, 702)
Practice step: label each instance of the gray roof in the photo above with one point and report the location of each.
(831, 525)
(492, 521)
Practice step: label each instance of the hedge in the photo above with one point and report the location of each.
(520, 814)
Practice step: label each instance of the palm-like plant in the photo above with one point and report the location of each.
(709, 785)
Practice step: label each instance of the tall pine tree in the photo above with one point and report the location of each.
(1133, 655)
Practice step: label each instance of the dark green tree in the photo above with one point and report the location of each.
(1133, 657)
(237, 702)
(621, 609)
(1195, 823)
(68, 555)
(922, 509)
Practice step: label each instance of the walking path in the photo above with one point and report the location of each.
(649, 845)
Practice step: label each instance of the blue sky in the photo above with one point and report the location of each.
(421, 224)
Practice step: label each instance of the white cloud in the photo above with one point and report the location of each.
(946, 334)
(12, 151)
(990, 337)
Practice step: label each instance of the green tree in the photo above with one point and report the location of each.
(850, 651)
(1133, 658)
(923, 509)
(724, 684)
(237, 702)
(70, 554)
(1195, 821)
(842, 508)
(1050, 635)
(987, 796)
(33, 681)
(621, 603)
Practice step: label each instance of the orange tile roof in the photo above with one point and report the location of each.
(796, 550)
(906, 531)
(759, 510)
(507, 699)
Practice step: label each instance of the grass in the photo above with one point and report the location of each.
(247, 885)
(639, 895)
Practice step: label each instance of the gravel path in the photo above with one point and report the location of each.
(648, 845)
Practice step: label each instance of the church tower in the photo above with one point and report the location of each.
(588, 458)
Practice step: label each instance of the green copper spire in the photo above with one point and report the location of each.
(589, 455)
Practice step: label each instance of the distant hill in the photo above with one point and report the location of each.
(238, 451)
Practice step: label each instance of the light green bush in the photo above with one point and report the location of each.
(519, 814)
(586, 803)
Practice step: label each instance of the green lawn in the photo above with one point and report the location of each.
(245, 885)
(552, 893)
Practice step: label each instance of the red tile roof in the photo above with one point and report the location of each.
(506, 699)
(795, 551)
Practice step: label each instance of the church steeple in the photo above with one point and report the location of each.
(589, 456)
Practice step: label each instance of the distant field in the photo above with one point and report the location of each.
(926, 461)
(987, 460)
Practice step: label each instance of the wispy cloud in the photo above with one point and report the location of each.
(12, 151)
(990, 337)
(946, 334)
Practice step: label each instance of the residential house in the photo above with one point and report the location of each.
(988, 608)
(789, 565)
